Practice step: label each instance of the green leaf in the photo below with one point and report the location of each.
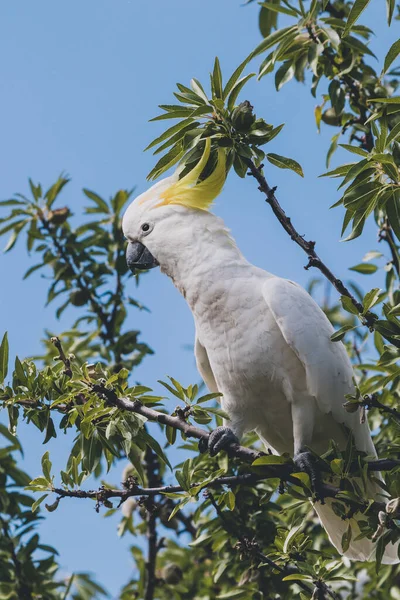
(393, 135)
(169, 132)
(391, 56)
(364, 268)
(280, 9)
(348, 305)
(14, 236)
(346, 539)
(332, 149)
(4, 355)
(207, 397)
(176, 392)
(177, 114)
(271, 459)
(167, 161)
(340, 333)
(217, 79)
(390, 5)
(39, 482)
(267, 20)
(37, 502)
(337, 96)
(297, 577)
(230, 500)
(175, 138)
(46, 466)
(50, 431)
(233, 78)
(356, 10)
(155, 446)
(101, 204)
(198, 90)
(272, 39)
(392, 100)
(275, 131)
(236, 90)
(358, 46)
(354, 149)
(393, 212)
(339, 171)
(370, 299)
(355, 170)
(284, 74)
(170, 432)
(285, 163)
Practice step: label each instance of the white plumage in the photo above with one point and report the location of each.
(261, 341)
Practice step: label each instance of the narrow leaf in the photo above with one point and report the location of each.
(4, 354)
(285, 163)
(356, 10)
(364, 268)
(391, 56)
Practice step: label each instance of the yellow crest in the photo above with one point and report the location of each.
(188, 192)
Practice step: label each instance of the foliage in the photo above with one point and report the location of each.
(253, 535)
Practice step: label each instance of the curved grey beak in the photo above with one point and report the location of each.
(139, 257)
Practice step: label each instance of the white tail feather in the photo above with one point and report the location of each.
(363, 549)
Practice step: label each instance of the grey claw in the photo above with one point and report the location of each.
(305, 461)
(220, 439)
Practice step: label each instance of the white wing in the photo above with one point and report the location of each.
(204, 367)
(307, 330)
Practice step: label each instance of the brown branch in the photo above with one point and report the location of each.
(136, 406)
(308, 247)
(234, 450)
(24, 593)
(61, 355)
(252, 549)
(152, 468)
(386, 234)
(80, 278)
(373, 402)
(282, 472)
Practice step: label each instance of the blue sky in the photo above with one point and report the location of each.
(79, 82)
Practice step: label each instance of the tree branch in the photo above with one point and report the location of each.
(373, 402)
(136, 406)
(62, 357)
(252, 549)
(80, 279)
(24, 593)
(282, 472)
(308, 247)
(153, 478)
(386, 234)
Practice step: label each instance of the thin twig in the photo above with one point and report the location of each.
(79, 277)
(252, 549)
(386, 234)
(61, 355)
(373, 402)
(308, 246)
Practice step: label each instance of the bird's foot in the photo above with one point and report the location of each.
(305, 461)
(219, 439)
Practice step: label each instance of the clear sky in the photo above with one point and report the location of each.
(79, 82)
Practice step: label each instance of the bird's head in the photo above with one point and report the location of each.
(164, 221)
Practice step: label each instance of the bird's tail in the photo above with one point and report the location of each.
(335, 527)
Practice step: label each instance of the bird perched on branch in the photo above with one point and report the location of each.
(261, 341)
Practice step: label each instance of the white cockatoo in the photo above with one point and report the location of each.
(261, 341)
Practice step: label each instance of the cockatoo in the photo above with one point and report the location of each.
(261, 341)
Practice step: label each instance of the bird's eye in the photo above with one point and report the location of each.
(145, 227)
